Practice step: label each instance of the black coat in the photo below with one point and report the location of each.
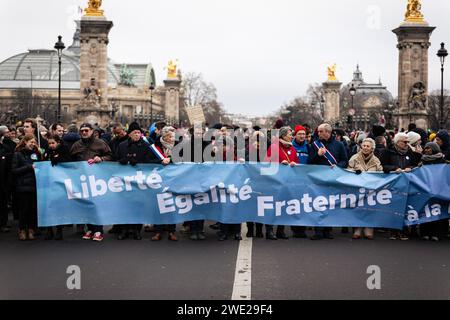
(391, 159)
(70, 138)
(336, 148)
(60, 155)
(131, 152)
(114, 146)
(23, 172)
(196, 145)
(6, 154)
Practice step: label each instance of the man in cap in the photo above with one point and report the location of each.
(92, 150)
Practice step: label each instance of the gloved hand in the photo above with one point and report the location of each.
(53, 161)
(133, 162)
(358, 171)
(123, 161)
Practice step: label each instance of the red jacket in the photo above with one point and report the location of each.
(283, 151)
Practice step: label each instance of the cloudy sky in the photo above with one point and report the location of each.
(258, 53)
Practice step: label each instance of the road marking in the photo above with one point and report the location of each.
(242, 288)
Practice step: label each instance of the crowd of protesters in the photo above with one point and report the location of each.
(358, 151)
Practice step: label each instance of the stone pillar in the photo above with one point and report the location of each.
(172, 99)
(94, 69)
(413, 44)
(332, 91)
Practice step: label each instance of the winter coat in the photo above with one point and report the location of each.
(70, 138)
(391, 159)
(89, 149)
(279, 152)
(303, 151)
(23, 171)
(6, 155)
(60, 155)
(134, 152)
(114, 146)
(358, 163)
(194, 146)
(336, 148)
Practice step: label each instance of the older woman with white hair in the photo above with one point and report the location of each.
(162, 152)
(399, 158)
(365, 161)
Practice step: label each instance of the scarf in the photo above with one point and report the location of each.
(434, 157)
(285, 144)
(402, 152)
(366, 159)
(167, 147)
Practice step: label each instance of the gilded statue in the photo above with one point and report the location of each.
(413, 11)
(332, 73)
(172, 70)
(93, 9)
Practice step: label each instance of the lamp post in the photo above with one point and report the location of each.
(152, 87)
(32, 98)
(442, 54)
(59, 46)
(352, 92)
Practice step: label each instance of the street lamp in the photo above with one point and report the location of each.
(442, 54)
(152, 87)
(32, 98)
(59, 46)
(352, 92)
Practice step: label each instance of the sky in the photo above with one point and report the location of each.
(259, 54)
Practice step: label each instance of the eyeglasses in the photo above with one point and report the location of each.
(84, 130)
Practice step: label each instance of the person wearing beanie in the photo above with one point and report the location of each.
(300, 144)
(432, 137)
(281, 151)
(396, 159)
(435, 230)
(132, 151)
(415, 142)
(443, 140)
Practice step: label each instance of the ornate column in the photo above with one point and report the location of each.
(413, 42)
(94, 41)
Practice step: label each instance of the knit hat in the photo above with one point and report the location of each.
(432, 137)
(299, 128)
(413, 137)
(434, 147)
(361, 138)
(279, 124)
(133, 127)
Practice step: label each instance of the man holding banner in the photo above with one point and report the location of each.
(327, 151)
(92, 150)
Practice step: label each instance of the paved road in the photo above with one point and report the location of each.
(283, 269)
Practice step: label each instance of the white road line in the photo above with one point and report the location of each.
(242, 288)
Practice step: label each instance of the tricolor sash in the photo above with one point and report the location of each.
(328, 155)
(157, 152)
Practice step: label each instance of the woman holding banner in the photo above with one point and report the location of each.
(27, 153)
(161, 152)
(397, 159)
(365, 161)
(281, 151)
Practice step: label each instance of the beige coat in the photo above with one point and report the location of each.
(357, 163)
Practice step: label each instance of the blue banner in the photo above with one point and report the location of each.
(109, 193)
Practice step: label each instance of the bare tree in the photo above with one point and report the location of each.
(198, 92)
(434, 106)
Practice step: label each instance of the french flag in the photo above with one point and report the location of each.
(157, 152)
